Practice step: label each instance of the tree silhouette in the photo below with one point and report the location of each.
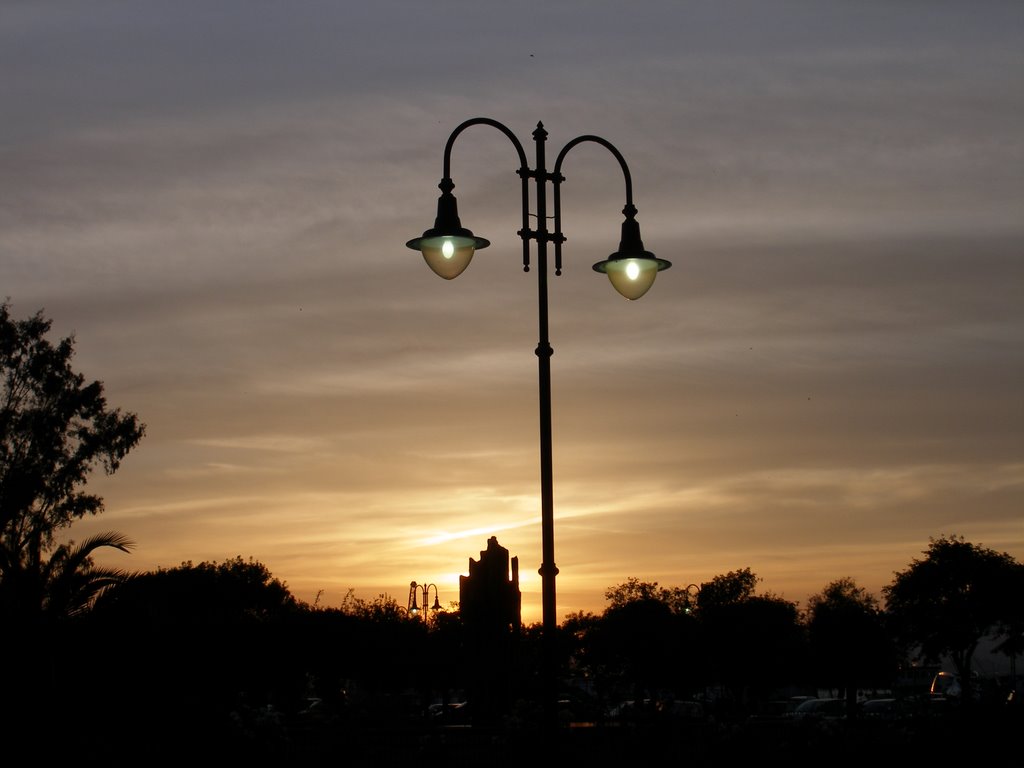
(946, 602)
(197, 644)
(71, 580)
(54, 430)
(727, 589)
(383, 653)
(753, 643)
(849, 644)
(641, 636)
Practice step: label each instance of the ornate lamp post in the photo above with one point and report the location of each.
(692, 595)
(422, 589)
(448, 248)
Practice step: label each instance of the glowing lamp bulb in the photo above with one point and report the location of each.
(448, 249)
(632, 276)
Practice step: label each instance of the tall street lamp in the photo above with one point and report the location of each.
(422, 589)
(448, 247)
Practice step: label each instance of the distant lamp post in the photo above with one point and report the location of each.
(692, 595)
(416, 590)
(448, 248)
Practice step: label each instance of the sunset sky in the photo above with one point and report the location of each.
(214, 199)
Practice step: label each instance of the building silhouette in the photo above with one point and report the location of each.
(491, 607)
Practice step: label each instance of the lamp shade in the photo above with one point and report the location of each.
(447, 255)
(630, 276)
(631, 269)
(447, 247)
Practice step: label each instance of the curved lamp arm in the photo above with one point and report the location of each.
(481, 121)
(558, 179)
(426, 596)
(632, 268)
(607, 145)
(524, 173)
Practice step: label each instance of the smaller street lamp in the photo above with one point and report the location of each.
(692, 595)
(416, 590)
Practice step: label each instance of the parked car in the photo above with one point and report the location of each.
(886, 709)
(629, 709)
(681, 710)
(950, 685)
(779, 709)
(820, 709)
(452, 713)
